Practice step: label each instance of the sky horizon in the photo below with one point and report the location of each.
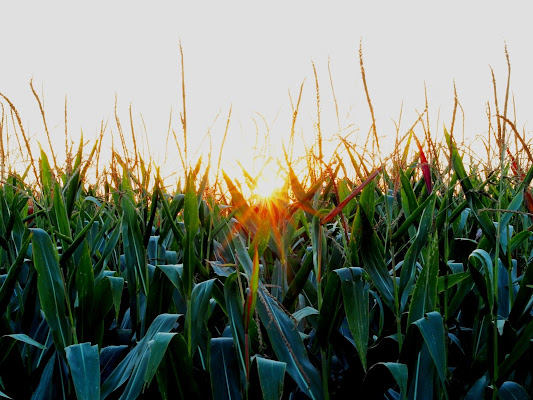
(249, 57)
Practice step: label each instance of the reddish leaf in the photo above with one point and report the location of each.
(424, 165)
(358, 190)
(514, 166)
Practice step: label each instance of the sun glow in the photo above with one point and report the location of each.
(268, 182)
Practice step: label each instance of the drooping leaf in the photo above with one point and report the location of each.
(21, 337)
(377, 380)
(512, 391)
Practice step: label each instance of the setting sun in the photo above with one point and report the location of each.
(268, 182)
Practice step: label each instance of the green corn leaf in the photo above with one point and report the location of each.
(59, 213)
(136, 381)
(85, 289)
(373, 256)
(21, 337)
(107, 295)
(355, 295)
(235, 313)
(134, 251)
(518, 311)
(409, 203)
(46, 175)
(158, 348)
(159, 299)
(304, 312)
(281, 331)
(224, 370)
(407, 274)
(377, 380)
(243, 256)
(519, 239)
(191, 220)
(196, 313)
(261, 238)
(110, 247)
(344, 191)
(409, 222)
(134, 366)
(45, 386)
(512, 391)
(477, 391)
(330, 314)
(174, 273)
(515, 205)
(451, 280)
(8, 285)
(351, 284)
(432, 329)
(519, 350)
(399, 372)
(422, 383)
(271, 377)
(117, 285)
(485, 287)
(473, 198)
(249, 306)
(175, 373)
(425, 293)
(170, 211)
(527, 179)
(298, 283)
(51, 288)
(84, 362)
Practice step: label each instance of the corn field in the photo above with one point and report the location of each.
(410, 281)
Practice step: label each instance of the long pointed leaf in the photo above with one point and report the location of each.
(271, 377)
(84, 363)
(51, 288)
(432, 329)
(224, 370)
(287, 344)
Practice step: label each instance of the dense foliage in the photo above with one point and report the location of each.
(412, 283)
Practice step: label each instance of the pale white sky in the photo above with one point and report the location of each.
(249, 55)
